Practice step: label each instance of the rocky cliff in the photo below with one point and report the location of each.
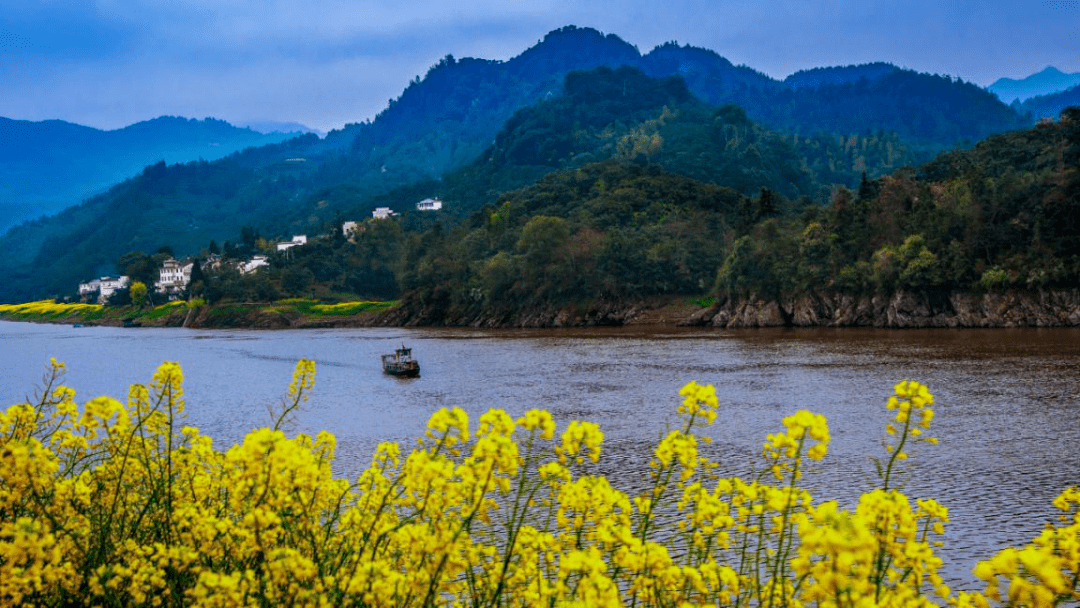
(1058, 308)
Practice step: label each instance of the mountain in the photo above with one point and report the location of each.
(926, 110)
(267, 127)
(451, 115)
(49, 165)
(448, 119)
(936, 111)
(1047, 82)
(625, 116)
(832, 76)
(1050, 106)
(711, 77)
(926, 246)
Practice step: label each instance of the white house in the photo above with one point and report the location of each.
(112, 284)
(350, 229)
(86, 289)
(173, 276)
(429, 204)
(381, 213)
(213, 262)
(105, 287)
(299, 239)
(253, 264)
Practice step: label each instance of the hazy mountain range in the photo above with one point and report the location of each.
(815, 128)
(50, 165)
(1047, 82)
(268, 127)
(1050, 106)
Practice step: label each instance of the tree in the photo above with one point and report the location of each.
(138, 266)
(120, 297)
(138, 293)
(197, 281)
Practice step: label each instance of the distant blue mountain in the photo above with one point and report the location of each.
(1047, 82)
(50, 165)
(268, 127)
(1050, 106)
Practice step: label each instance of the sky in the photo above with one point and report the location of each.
(325, 63)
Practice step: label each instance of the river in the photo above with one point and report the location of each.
(1008, 401)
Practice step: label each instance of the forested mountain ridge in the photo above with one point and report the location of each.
(836, 76)
(1049, 106)
(49, 165)
(938, 111)
(626, 116)
(926, 246)
(447, 119)
(980, 237)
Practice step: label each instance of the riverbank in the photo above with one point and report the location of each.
(306, 314)
(285, 314)
(901, 310)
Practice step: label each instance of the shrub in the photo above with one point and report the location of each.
(117, 503)
(994, 278)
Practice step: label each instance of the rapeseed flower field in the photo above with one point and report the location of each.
(117, 503)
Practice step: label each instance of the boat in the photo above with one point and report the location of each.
(401, 363)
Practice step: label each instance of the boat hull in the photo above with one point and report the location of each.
(405, 370)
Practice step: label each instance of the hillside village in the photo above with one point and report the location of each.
(174, 276)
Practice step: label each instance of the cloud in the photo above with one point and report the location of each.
(58, 30)
(108, 63)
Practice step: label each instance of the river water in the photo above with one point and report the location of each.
(1007, 401)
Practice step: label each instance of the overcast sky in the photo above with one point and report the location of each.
(324, 63)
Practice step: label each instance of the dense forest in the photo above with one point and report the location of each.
(669, 173)
(1001, 216)
(869, 120)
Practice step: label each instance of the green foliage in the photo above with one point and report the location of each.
(737, 274)
(653, 185)
(920, 268)
(994, 278)
(886, 265)
(599, 232)
(138, 293)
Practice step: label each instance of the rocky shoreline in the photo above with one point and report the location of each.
(901, 310)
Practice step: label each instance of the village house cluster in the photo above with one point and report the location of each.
(175, 275)
(104, 287)
(428, 204)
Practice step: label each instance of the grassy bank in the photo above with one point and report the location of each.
(285, 313)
